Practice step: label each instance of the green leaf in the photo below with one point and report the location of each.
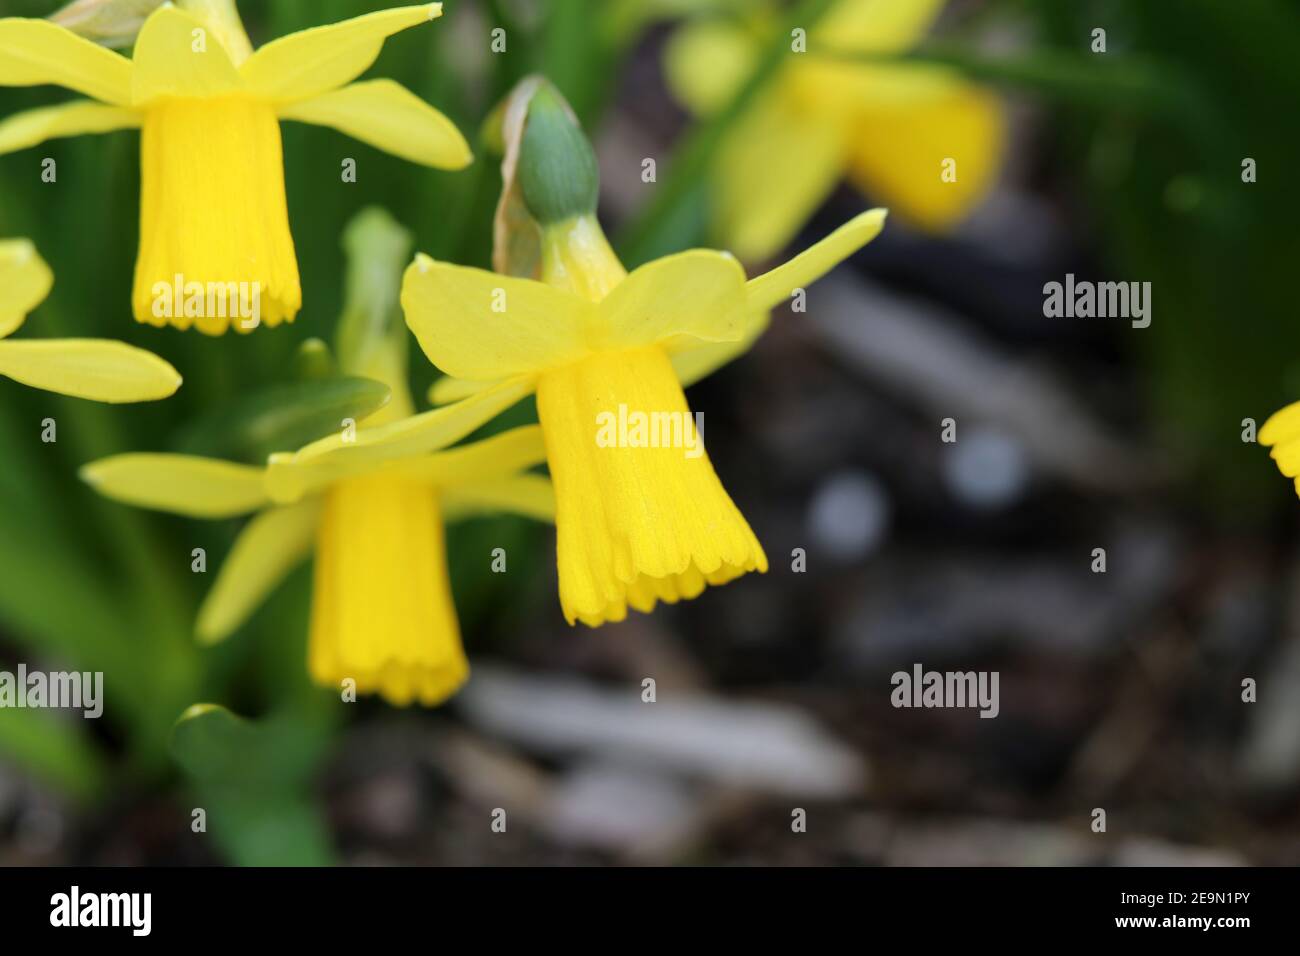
(55, 750)
(252, 779)
(283, 418)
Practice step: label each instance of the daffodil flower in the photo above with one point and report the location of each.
(382, 611)
(97, 369)
(1282, 433)
(635, 525)
(637, 522)
(917, 138)
(212, 209)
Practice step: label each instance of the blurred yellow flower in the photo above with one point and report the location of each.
(97, 369)
(213, 220)
(382, 612)
(1282, 433)
(889, 128)
(636, 523)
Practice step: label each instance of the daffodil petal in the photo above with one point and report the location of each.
(694, 360)
(698, 293)
(707, 60)
(901, 152)
(331, 459)
(878, 25)
(98, 369)
(36, 52)
(774, 170)
(310, 62)
(772, 288)
(176, 55)
(495, 457)
(1283, 425)
(69, 119)
(451, 389)
(529, 495)
(180, 484)
(25, 281)
(390, 117)
(267, 549)
(1287, 456)
(481, 325)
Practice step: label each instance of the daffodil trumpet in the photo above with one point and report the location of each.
(96, 369)
(918, 138)
(636, 524)
(213, 216)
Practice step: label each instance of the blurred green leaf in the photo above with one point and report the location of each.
(54, 749)
(252, 778)
(282, 418)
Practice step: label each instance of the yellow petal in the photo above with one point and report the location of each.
(451, 389)
(98, 369)
(35, 52)
(882, 26)
(772, 288)
(693, 360)
(706, 61)
(774, 170)
(390, 117)
(698, 293)
(1282, 425)
(495, 457)
(900, 153)
(272, 545)
(528, 495)
(179, 484)
(639, 519)
(70, 119)
(331, 459)
(176, 55)
(1287, 456)
(25, 281)
(382, 614)
(480, 325)
(310, 62)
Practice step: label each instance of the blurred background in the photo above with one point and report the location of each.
(1119, 690)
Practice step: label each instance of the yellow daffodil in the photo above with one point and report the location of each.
(1282, 433)
(382, 612)
(917, 138)
(85, 368)
(637, 522)
(214, 229)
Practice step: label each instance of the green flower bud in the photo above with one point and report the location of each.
(557, 168)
